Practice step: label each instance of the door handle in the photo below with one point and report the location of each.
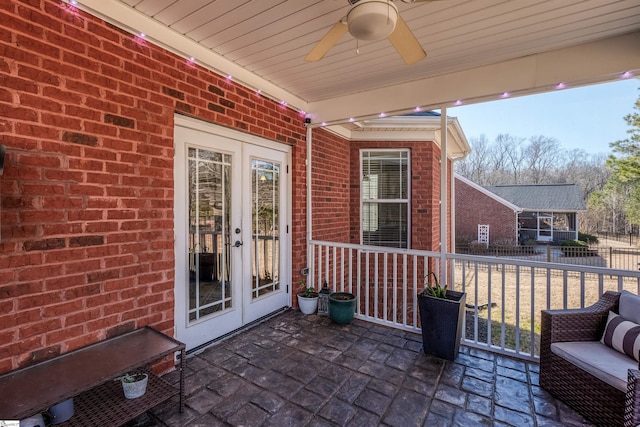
(237, 244)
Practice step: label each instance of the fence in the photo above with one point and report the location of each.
(594, 256)
(630, 238)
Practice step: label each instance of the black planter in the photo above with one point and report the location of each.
(442, 320)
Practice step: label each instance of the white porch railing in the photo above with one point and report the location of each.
(504, 296)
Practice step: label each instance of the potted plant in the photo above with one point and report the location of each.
(441, 319)
(342, 307)
(307, 299)
(133, 385)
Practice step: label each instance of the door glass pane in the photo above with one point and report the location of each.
(209, 219)
(545, 225)
(265, 219)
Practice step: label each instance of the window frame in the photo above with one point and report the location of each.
(406, 201)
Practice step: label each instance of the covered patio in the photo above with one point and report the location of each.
(296, 370)
(132, 126)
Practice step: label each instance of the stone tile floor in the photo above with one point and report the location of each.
(296, 370)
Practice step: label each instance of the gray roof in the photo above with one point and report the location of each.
(548, 197)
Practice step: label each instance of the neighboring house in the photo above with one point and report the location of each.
(539, 212)
(477, 206)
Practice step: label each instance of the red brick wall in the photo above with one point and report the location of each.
(425, 191)
(86, 113)
(474, 207)
(331, 187)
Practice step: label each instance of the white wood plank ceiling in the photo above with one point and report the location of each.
(270, 38)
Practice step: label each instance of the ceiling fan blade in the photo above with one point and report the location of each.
(327, 42)
(406, 43)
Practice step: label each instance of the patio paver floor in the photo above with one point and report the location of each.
(296, 370)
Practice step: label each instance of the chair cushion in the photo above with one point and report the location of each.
(630, 306)
(602, 362)
(622, 335)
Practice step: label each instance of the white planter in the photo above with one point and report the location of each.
(308, 305)
(135, 389)
(62, 411)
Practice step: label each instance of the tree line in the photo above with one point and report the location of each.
(610, 183)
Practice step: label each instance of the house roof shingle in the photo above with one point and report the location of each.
(548, 197)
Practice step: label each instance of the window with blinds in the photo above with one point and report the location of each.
(385, 198)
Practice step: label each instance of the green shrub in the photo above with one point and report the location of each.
(588, 238)
(574, 243)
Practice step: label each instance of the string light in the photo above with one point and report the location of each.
(458, 102)
(504, 95)
(626, 75)
(561, 85)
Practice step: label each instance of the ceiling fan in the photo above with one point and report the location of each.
(373, 20)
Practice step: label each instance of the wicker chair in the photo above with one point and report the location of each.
(594, 399)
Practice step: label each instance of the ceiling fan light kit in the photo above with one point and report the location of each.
(372, 20)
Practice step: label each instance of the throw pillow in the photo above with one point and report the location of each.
(630, 306)
(622, 335)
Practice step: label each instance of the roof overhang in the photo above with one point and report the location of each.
(407, 128)
(593, 62)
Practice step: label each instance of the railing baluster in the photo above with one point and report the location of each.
(342, 270)
(326, 269)
(404, 288)
(319, 267)
(366, 289)
(503, 331)
(517, 309)
(532, 314)
(489, 324)
(475, 303)
(377, 289)
(335, 267)
(414, 298)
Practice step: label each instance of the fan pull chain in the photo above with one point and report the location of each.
(357, 47)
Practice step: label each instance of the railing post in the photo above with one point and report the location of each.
(610, 256)
(548, 252)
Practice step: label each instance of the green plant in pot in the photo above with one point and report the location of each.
(307, 298)
(134, 385)
(441, 318)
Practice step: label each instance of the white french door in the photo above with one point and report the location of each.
(231, 210)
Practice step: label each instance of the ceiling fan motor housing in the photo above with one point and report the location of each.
(372, 19)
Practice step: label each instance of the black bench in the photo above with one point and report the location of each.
(87, 375)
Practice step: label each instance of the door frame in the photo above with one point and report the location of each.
(544, 238)
(241, 138)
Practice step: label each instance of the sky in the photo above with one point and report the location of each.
(587, 118)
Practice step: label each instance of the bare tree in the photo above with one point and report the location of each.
(541, 155)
